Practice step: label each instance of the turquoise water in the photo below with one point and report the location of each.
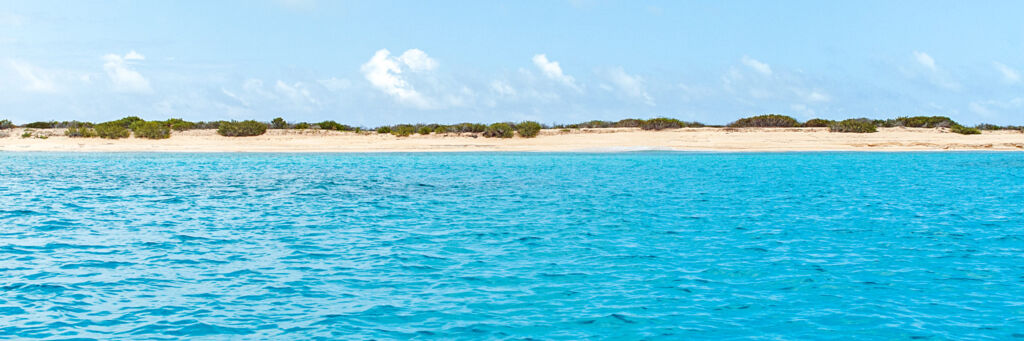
(496, 246)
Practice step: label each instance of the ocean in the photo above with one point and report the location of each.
(643, 245)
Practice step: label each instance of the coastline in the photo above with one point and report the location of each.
(549, 140)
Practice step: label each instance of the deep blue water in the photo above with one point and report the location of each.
(483, 246)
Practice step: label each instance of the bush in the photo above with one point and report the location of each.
(959, 129)
(766, 121)
(178, 124)
(80, 130)
(817, 122)
(853, 126)
(41, 125)
(6, 124)
(924, 122)
(384, 130)
(528, 128)
(403, 130)
(127, 121)
(662, 123)
(331, 125)
(629, 123)
(278, 123)
(243, 128)
(440, 130)
(302, 125)
(502, 130)
(151, 130)
(425, 130)
(111, 130)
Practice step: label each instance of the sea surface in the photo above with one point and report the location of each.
(647, 245)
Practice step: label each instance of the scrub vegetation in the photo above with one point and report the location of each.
(140, 128)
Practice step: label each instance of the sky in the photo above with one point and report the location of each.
(385, 62)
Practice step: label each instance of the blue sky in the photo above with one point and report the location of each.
(378, 62)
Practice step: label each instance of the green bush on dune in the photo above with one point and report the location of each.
(853, 126)
(278, 123)
(500, 130)
(151, 130)
(79, 129)
(818, 123)
(403, 130)
(111, 130)
(959, 129)
(242, 128)
(766, 121)
(6, 124)
(662, 123)
(528, 128)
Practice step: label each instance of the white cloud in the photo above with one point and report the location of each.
(757, 65)
(1009, 74)
(335, 84)
(629, 85)
(36, 79)
(297, 92)
(417, 60)
(132, 55)
(384, 72)
(925, 60)
(122, 76)
(503, 88)
(552, 70)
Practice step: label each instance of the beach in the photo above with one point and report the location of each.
(549, 140)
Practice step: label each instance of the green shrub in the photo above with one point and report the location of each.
(403, 130)
(502, 130)
(302, 125)
(278, 123)
(852, 126)
(662, 123)
(111, 130)
(528, 128)
(151, 130)
(27, 133)
(425, 130)
(629, 123)
(243, 128)
(817, 122)
(440, 130)
(41, 125)
(178, 124)
(6, 124)
(384, 130)
(331, 125)
(127, 121)
(959, 129)
(80, 131)
(766, 121)
(924, 122)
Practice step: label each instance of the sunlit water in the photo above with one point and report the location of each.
(570, 246)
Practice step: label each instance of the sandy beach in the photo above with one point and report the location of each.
(550, 140)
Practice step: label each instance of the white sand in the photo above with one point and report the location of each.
(597, 140)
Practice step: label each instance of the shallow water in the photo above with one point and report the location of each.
(570, 246)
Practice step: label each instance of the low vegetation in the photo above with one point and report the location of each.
(125, 127)
(153, 130)
(853, 126)
(243, 128)
(761, 121)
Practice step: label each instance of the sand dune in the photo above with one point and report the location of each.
(596, 140)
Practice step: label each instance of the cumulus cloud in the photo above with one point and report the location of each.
(385, 73)
(335, 84)
(552, 70)
(297, 92)
(122, 76)
(757, 65)
(36, 79)
(629, 85)
(925, 60)
(1009, 74)
(934, 73)
(503, 88)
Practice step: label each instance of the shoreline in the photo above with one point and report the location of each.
(598, 140)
